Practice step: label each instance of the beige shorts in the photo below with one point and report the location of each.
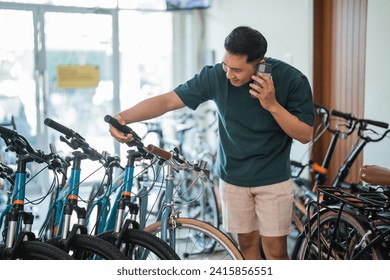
(266, 208)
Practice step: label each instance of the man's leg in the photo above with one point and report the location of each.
(275, 248)
(249, 245)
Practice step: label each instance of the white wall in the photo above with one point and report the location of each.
(287, 26)
(377, 90)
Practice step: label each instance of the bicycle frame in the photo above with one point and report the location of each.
(113, 219)
(67, 202)
(15, 211)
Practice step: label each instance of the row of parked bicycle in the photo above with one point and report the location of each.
(116, 222)
(163, 206)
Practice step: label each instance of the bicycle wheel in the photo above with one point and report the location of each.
(88, 247)
(381, 228)
(141, 245)
(303, 195)
(197, 240)
(334, 239)
(35, 250)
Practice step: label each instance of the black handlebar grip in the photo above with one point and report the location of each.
(341, 115)
(122, 128)
(6, 132)
(376, 123)
(59, 127)
(158, 152)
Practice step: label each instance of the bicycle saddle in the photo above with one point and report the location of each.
(375, 175)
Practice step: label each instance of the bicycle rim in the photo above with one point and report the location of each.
(197, 240)
(338, 241)
(142, 245)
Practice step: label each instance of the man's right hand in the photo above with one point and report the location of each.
(119, 136)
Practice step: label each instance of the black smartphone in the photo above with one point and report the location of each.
(264, 68)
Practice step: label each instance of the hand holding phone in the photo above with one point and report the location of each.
(264, 68)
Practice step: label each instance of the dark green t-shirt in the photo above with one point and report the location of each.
(253, 150)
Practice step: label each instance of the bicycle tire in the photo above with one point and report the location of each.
(208, 241)
(86, 247)
(142, 245)
(337, 245)
(36, 250)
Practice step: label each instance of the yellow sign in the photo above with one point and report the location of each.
(77, 76)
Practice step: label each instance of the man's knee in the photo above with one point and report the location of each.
(275, 248)
(249, 239)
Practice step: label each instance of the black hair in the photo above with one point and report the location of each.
(244, 40)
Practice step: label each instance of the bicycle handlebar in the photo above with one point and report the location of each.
(126, 130)
(61, 128)
(176, 160)
(173, 158)
(348, 117)
(375, 123)
(158, 152)
(352, 121)
(18, 143)
(76, 140)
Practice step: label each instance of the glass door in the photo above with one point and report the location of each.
(17, 84)
(79, 78)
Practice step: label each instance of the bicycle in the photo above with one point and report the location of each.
(346, 221)
(180, 233)
(19, 241)
(124, 234)
(354, 226)
(75, 242)
(305, 191)
(197, 201)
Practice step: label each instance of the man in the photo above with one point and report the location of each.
(258, 117)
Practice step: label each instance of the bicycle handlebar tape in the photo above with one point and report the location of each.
(158, 152)
(59, 127)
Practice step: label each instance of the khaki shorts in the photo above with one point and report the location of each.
(266, 208)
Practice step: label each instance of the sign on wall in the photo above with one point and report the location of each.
(77, 76)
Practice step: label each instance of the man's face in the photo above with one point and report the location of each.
(238, 70)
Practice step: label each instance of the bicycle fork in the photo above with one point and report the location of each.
(71, 202)
(17, 212)
(125, 194)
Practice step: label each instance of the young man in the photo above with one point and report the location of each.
(257, 122)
